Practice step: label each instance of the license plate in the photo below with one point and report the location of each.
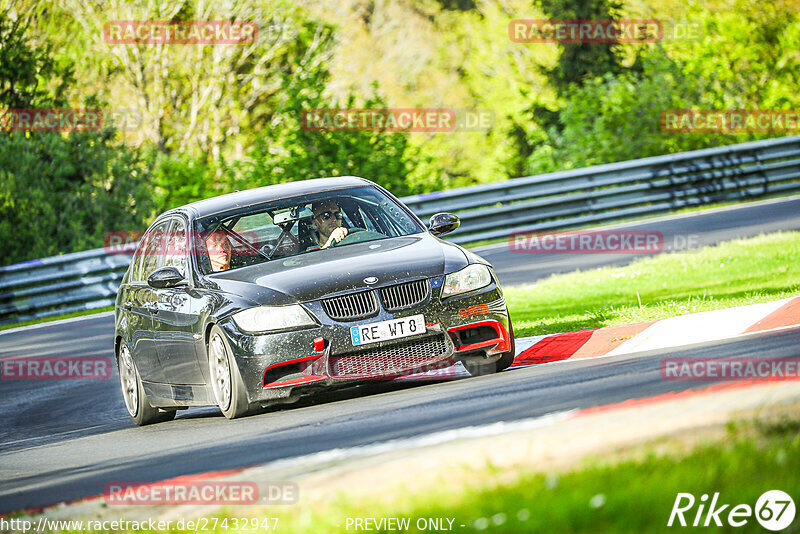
(384, 330)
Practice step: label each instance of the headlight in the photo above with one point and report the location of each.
(469, 278)
(267, 318)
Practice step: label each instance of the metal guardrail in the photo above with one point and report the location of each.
(648, 186)
(554, 201)
(60, 284)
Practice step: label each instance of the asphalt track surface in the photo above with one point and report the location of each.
(64, 440)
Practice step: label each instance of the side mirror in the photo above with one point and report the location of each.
(443, 223)
(165, 277)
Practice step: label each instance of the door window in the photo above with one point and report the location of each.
(153, 250)
(176, 250)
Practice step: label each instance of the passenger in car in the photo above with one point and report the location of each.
(328, 222)
(219, 251)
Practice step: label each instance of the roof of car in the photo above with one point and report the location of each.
(271, 192)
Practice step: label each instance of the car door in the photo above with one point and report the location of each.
(138, 301)
(176, 314)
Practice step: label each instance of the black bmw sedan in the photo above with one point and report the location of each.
(262, 296)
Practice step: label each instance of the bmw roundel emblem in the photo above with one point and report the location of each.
(371, 280)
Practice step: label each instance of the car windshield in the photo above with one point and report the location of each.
(298, 225)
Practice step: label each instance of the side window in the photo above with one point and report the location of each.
(153, 250)
(136, 263)
(175, 255)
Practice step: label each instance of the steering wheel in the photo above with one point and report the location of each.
(357, 235)
(347, 239)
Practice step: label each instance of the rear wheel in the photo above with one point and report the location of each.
(133, 394)
(226, 382)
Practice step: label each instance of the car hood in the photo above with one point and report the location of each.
(316, 274)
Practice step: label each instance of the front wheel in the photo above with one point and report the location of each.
(480, 369)
(505, 361)
(226, 382)
(133, 394)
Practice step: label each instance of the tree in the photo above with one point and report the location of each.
(203, 99)
(616, 118)
(25, 71)
(58, 192)
(296, 153)
(580, 62)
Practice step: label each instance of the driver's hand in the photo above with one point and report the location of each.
(337, 235)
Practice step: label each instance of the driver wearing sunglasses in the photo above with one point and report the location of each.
(328, 222)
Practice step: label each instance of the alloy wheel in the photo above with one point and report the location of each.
(127, 378)
(220, 371)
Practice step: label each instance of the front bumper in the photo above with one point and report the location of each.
(282, 365)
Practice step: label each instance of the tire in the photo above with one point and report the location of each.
(133, 394)
(505, 361)
(226, 381)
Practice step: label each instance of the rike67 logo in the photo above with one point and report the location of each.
(774, 510)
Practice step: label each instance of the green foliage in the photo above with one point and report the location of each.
(213, 100)
(26, 71)
(617, 118)
(295, 153)
(746, 58)
(58, 193)
(179, 181)
(580, 62)
(219, 118)
(63, 193)
(489, 74)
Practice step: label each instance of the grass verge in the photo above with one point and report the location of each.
(733, 273)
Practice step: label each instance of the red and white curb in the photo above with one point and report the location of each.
(678, 331)
(715, 325)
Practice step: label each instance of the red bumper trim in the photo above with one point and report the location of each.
(502, 341)
(295, 381)
(281, 364)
